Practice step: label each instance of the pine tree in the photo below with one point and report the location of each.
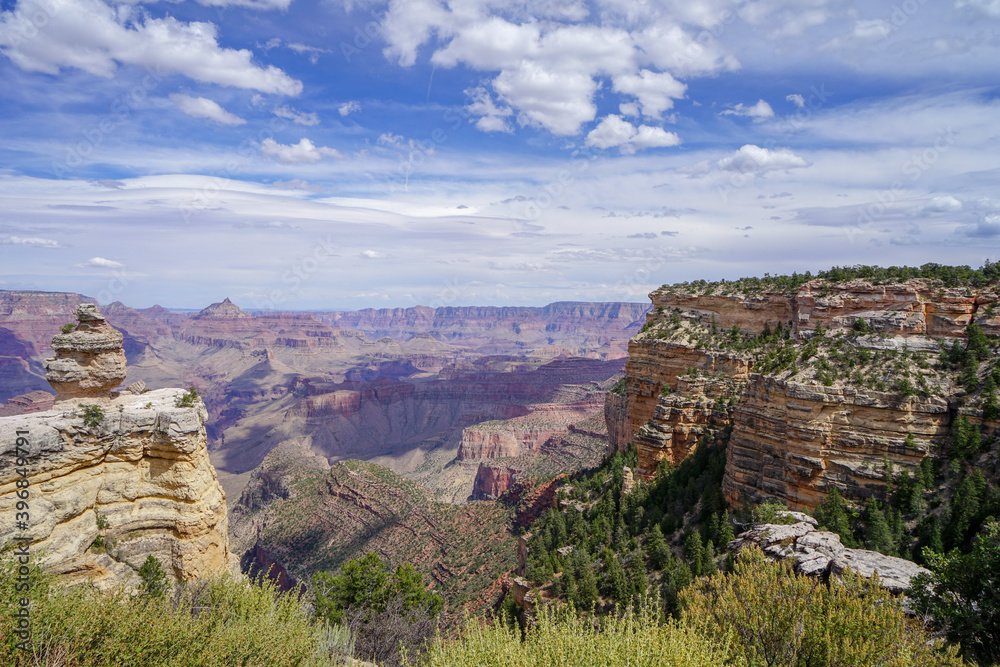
(659, 551)
(832, 514)
(879, 535)
(991, 409)
(586, 581)
(709, 566)
(695, 552)
(977, 344)
(615, 580)
(726, 529)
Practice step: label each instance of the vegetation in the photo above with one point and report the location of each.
(211, 623)
(187, 399)
(93, 415)
(68, 327)
(773, 616)
(154, 579)
(949, 276)
(962, 595)
(388, 611)
(562, 637)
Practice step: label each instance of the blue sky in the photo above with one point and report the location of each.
(329, 154)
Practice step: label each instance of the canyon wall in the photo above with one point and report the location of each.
(793, 437)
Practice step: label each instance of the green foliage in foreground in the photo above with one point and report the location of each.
(776, 617)
(963, 595)
(561, 637)
(218, 622)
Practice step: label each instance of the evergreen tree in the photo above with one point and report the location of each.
(709, 565)
(926, 473)
(659, 551)
(977, 344)
(615, 580)
(969, 377)
(832, 514)
(879, 535)
(636, 569)
(154, 579)
(587, 582)
(695, 552)
(726, 529)
(991, 409)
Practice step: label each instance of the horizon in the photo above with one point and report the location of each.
(301, 153)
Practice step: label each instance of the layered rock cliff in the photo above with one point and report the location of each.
(111, 478)
(819, 385)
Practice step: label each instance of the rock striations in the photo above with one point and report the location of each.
(89, 360)
(818, 553)
(112, 478)
(797, 426)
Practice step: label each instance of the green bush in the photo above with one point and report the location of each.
(208, 624)
(93, 415)
(773, 616)
(187, 399)
(561, 637)
(68, 327)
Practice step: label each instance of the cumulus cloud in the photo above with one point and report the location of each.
(101, 263)
(304, 152)
(751, 159)
(548, 71)
(31, 241)
(201, 107)
(613, 131)
(91, 36)
(655, 91)
(491, 117)
(796, 99)
(349, 108)
(288, 113)
(758, 111)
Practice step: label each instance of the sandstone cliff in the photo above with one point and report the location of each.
(818, 386)
(112, 478)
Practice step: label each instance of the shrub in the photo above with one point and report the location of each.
(961, 595)
(207, 624)
(561, 637)
(773, 616)
(93, 415)
(154, 579)
(187, 399)
(68, 327)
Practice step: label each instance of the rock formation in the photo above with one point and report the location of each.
(112, 479)
(796, 434)
(820, 554)
(89, 360)
(493, 481)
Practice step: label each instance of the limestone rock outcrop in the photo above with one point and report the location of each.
(111, 479)
(795, 441)
(493, 481)
(89, 361)
(691, 374)
(820, 554)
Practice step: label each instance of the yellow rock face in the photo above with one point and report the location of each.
(139, 479)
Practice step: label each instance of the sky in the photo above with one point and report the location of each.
(342, 154)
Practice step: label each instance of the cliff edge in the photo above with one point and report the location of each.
(109, 479)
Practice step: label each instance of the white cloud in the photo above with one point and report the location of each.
(758, 111)
(200, 107)
(32, 241)
(751, 159)
(101, 263)
(304, 152)
(655, 91)
(91, 36)
(671, 48)
(349, 108)
(491, 117)
(871, 30)
(796, 99)
(372, 254)
(612, 132)
(308, 119)
(943, 204)
(989, 8)
(312, 52)
(251, 4)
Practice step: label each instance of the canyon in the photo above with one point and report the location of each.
(416, 393)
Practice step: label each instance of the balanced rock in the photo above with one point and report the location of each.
(89, 361)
